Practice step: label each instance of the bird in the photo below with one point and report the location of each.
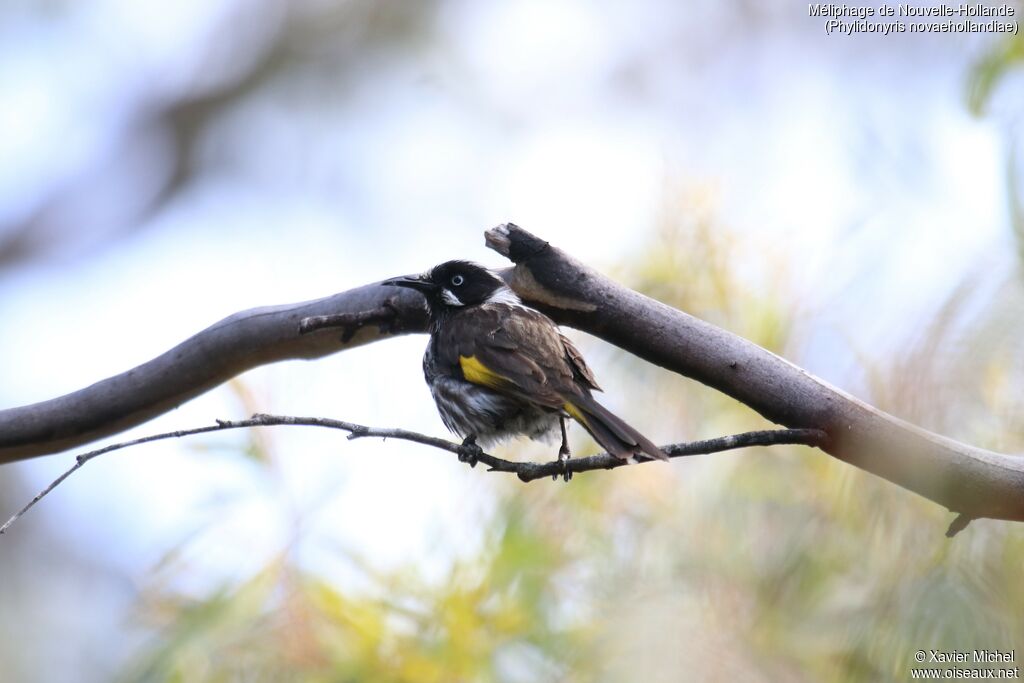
(498, 368)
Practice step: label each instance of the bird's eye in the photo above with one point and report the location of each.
(458, 280)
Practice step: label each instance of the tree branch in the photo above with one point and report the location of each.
(965, 479)
(228, 348)
(526, 471)
(973, 481)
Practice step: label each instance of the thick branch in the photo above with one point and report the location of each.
(239, 342)
(527, 471)
(969, 480)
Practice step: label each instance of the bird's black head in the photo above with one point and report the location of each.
(456, 284)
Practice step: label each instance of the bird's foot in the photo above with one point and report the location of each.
(563, 460)
(469, 451)
(563, 453)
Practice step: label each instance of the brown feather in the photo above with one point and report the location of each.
(583, 373)
(536, 364)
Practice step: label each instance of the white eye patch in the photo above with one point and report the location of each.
(449, 298)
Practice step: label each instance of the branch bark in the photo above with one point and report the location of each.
(228, 348)
(974, 482)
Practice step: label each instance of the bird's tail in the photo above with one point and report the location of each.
(614, 435)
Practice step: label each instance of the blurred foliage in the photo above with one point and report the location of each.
(991, 69)
(492, 616)
(1016, 206)
(839, 574)
(780, 564)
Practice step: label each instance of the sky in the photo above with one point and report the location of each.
(376, 157)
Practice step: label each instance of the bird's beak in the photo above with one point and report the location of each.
(420, 283)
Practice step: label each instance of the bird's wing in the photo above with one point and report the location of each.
(579, 366)
(519, 352)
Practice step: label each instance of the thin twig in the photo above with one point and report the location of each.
(529, 471)
(526, 471)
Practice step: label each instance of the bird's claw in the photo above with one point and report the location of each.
(563, 460)
(469, 451)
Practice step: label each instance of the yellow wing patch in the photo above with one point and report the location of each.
(575, 413)
(476, 372)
